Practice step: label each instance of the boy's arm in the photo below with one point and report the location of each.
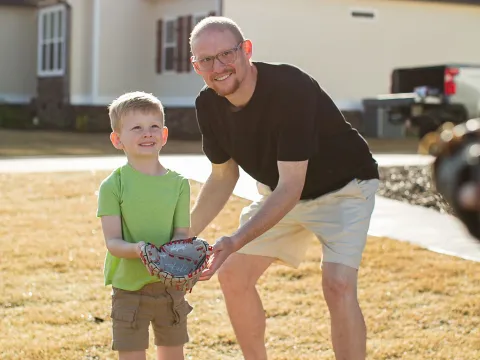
(214, 194)
(112, 231)
(181, 233)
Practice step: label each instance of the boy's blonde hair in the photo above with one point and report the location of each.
(133, 101)
(219, 23)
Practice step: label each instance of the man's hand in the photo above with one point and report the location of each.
(222, 249)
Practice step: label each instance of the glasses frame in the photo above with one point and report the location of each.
(235, 49)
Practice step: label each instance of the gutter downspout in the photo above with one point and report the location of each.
(95, 51)
(220, 7)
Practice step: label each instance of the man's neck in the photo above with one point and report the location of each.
(242, 96)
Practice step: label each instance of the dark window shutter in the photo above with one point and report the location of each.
(158, 60)
(188, 64)
(180, 45)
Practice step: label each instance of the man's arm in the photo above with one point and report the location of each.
(112, 231)
(213, 195)
(278, 204)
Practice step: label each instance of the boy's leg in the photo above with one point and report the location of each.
(171, 311)
(130, 324)
(286, 243)
(132, 355)
(341, 220)
(170, 352)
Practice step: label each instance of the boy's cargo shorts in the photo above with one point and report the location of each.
(133, 311)
(339, 220)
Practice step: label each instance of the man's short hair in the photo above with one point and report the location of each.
(218, 23)
(133, 101)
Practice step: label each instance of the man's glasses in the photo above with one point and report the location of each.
(225, 57)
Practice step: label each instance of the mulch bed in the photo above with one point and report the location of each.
(411, 184)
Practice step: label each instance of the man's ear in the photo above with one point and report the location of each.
(164, 135)
(115, 139)
(248, 48)
(194, 67)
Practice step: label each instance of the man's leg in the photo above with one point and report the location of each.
(341, 220)
(349, 334)
(238, 277)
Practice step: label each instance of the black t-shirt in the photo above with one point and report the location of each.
(289, 118)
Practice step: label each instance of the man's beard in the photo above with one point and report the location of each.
(221, 90)
(229, 90)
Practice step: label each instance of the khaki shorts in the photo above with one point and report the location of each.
(339, 219)
(133, 311)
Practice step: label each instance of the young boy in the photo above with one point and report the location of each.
(140, 202)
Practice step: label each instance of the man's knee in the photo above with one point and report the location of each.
(232, 275)
(339, 282)
(240, 272)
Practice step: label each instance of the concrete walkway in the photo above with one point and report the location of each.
(401, 221)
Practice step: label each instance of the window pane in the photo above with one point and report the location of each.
(170, 58)
(60, 24)
(51, 64)
(59, 55)
(52, 25)
(170, 35)
(44, 57)
(45, 26)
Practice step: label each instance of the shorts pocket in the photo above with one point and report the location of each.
(125, 308)
(367, 187)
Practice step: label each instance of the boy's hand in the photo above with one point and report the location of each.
(138, 248)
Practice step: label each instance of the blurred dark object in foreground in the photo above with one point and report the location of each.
(457, 163)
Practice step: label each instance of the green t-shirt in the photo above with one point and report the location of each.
(151, 207)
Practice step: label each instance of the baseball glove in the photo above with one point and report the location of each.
(178, 263)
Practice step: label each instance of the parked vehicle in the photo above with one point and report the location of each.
(424, 98)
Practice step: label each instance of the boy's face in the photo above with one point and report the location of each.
(141, 134)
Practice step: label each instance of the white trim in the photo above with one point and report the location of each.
(187, 101)
(61, 40)
(164, 42)
(167, 101)
(15, 98)
(95, 49)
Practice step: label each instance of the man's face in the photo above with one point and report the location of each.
(224, 79)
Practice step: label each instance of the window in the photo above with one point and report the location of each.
(170, 44)
(51, 41)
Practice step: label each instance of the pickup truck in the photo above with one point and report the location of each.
(424, 98)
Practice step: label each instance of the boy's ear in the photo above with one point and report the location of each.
(164, 135)
(115, 139)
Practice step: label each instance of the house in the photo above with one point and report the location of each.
(68, 59)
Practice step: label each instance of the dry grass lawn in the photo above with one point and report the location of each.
(53, 305)
(55, 143)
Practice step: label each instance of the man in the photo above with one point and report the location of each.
(316, 173)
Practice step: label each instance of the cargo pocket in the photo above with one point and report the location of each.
(125, 307)
(179, 307)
